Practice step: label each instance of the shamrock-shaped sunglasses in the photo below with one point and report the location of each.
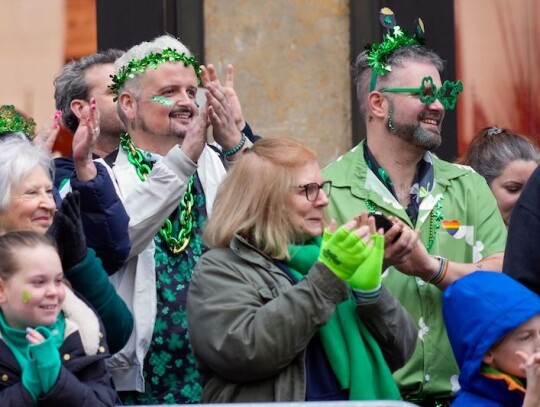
(447, 94)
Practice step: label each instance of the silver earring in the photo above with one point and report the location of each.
(389, 122)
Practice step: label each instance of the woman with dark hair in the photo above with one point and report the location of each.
(506, 160)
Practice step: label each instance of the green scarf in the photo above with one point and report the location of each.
(40, 364)
(353, 353)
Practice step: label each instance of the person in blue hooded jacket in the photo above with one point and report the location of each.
(493, 324)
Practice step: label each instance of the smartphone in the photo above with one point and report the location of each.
(382, 222)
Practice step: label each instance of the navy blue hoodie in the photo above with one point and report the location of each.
(479, 310)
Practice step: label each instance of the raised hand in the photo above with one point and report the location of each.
(195, 138)
(221, 117)
(68, 231)
(46, 136)
(224, 110)
(84, 141)
(344, 249)
(531, 367)
(209, 76)
(368, 274)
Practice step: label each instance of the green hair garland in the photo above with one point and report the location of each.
(152, 60)
(11, 121)
(377, 54)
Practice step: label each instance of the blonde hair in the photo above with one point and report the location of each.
(254, 199)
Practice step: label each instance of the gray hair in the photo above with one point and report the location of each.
(492, 149)
(362, 72)
(18, 157)
(71, 83)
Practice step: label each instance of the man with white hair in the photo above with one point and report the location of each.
(167, 177)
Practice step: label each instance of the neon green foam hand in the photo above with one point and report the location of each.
(342, 252)
(368, 275)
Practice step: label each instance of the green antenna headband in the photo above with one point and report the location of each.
(378, 54)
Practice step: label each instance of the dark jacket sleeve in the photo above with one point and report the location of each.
(90, 280)
(522, 256)
(392, 327)
(92, 389)
(105, 220)
(16, 396)
(63, 170)
(249, 133)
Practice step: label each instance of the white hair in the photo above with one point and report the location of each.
(18, 157)
(145, 48)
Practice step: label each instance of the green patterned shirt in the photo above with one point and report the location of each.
(471, 228)
(170, 372)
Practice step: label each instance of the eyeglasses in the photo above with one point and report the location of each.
(312, 190)
(428, 92)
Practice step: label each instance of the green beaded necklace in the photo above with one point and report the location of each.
(176, 245)
(435, 219)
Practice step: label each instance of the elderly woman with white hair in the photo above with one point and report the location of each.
(27, 203)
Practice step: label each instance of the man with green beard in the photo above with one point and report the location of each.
(445, 215)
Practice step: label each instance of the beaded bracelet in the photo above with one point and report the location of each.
(236, 148)
(441, 273)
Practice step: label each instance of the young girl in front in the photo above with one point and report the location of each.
(52, 346)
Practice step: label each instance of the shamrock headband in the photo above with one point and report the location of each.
(152, 60)
(11, 122)
(377, 54)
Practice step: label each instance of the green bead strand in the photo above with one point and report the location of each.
(176, 245)
(435, 219)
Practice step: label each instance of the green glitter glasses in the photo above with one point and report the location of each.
(447, 94)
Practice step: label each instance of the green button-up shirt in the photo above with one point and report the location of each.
(471, 228)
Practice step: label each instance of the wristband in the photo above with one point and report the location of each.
(237, 147)
(441, 273)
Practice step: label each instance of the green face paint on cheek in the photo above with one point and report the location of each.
(26, 296)
(162, 100)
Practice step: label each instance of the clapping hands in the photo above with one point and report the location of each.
(354, 252)
(224, 109)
